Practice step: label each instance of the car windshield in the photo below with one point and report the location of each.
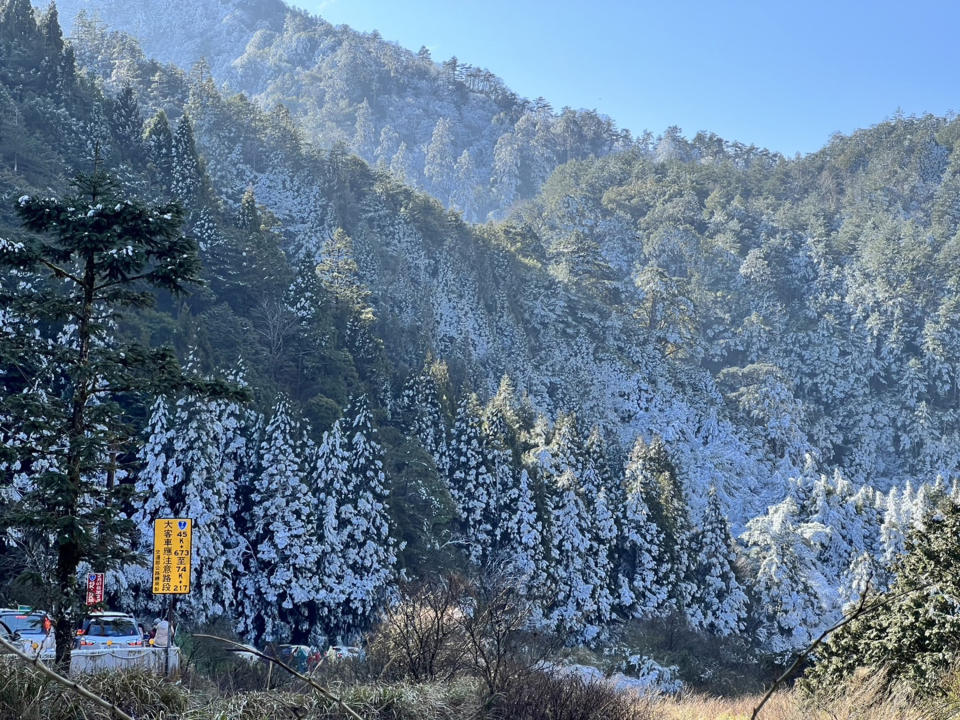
(109, 627)
(24, 623)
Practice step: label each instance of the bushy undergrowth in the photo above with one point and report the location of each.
(548, 697)
(27, 694)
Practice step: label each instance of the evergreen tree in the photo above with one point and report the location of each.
(401, 164)
(363, 524)
(914, 635)
(204, 463)
(330, 485)
(187, 171)
(506, 170)
(21, 51)
(787, 586)
(153, 490)
(664, 496)
(96, 255)
(521, 538)
(159, 143)
(57, 66)
(597, 485)
(472, 485)
(287, 574)
(363, 136)
(572, 571)
(248, 218)
(645, 580)
(718, 604)
(126, 122)
(425, 418)
(438, 163)
(340, 275)
(463, 196)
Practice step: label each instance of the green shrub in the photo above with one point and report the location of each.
(913, 635)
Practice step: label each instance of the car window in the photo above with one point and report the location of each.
(23, 623)
(110, 627)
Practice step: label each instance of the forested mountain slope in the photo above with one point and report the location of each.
(451, 129)
(491, 300)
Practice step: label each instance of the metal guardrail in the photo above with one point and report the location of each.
(106, 659)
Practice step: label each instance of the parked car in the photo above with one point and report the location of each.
(33, 628)
(7, 634)
(109, 629)
(295, 656)
(247, 653)
(345, 652)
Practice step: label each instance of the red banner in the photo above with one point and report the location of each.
(95, 588)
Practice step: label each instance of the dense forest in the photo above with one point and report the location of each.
(668, 379)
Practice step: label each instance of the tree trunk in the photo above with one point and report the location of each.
(68, 541)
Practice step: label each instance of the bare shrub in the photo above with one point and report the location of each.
(421, 638)
(495, 620)
(549, 697)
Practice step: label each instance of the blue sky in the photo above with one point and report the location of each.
(782, 75)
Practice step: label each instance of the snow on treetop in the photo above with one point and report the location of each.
(9, 246)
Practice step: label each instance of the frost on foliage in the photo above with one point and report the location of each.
(577, 608)
(425, 418)
(644, 580)
(356, 521)
(189, 468)
(718, 604)
(782, 554)
(645, 675)
(657, 476)
(472, 484)
(521, 537)
(154, 487)
(284, 522)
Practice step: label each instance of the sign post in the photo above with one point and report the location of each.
(172, 554)
(95, 583)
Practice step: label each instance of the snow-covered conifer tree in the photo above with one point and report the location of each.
(472, 485)
(658, 479)
(363, 522)
(329, 484)
(187, 170)
(154, 490)
(571, 572)
(284, 522)
(787, 584)
(205, 474)
(438, 163)
(158, 139)
(644, 579)
(599, 497)
(718, 604)
(521, 537)
(425, 418)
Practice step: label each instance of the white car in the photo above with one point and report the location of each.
(109, 629)
(345, 652)
(32, 628)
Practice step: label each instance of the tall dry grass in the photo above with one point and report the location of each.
(865, 697)
(27, 695)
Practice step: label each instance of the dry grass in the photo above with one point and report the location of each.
(864, 698)
(27, 695)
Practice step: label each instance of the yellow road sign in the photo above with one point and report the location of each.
(172, 545)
